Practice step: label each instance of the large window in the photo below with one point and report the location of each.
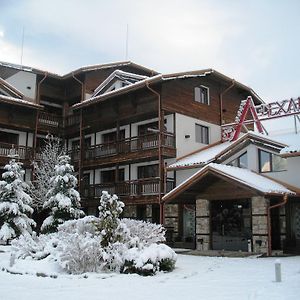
(109, 176)
(9, 138)
(201, 94)
(241, 161)
(269, 162)
(202, 134)
(149, 171)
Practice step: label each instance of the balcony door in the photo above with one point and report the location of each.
(9, 138)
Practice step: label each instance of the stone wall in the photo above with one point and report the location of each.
(202, 225)
(259, 224)
(171, 218)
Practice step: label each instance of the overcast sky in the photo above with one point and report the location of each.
(255, 42)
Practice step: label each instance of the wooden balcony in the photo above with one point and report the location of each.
(49, 122)
(130, 149)
(134, 189)
(25, 153)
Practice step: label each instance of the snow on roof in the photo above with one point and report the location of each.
(204, 156)
(243, 176)
(81, 69)
(11, 88)
(126, 77)
(213, 152)
(18, 101)
(252, 179)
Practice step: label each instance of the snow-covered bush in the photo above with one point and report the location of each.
(15, 203)
(37, 247)
(106, 243)
(146, 233)
(44, 170)
(64, 200)
(149, 260)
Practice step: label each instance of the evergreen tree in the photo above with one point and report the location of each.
(44, 170)
(110, 209)
(15, 203)
(63, 199)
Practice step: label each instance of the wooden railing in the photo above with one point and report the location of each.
(11, 149)
(141, 187)
(133, 144)
(72, 120)
(50, 120)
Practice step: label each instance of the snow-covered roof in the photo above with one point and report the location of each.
(79, 70)
(165, 77)
(243, 176)
(126, 78)
(204, 156)
(10, 89)
(215, 151)
(17, 101)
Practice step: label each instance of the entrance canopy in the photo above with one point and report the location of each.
(217, 182)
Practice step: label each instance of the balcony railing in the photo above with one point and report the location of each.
(50, 120)
(12, 149)
(133, 144)
(141, 187)
(72, 120)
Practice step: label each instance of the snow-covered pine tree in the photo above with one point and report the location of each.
(63, 199)
(44, 170)
(15, 203)
(109, 210)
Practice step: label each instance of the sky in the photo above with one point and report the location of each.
(255, 42)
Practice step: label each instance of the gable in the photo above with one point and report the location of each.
(118, 79)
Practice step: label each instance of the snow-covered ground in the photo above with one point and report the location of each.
(195, 277)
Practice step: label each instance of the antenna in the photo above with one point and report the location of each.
(22, 45)
(126, 53)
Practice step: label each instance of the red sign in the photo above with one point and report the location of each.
(230, 132)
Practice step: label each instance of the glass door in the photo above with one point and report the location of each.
(231, 224)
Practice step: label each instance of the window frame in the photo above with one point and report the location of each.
(271, 155)
(202, 138)
(201, 99)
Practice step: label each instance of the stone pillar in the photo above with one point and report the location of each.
(171, 218)
(259, 224)
(202, 225)
(282, 219)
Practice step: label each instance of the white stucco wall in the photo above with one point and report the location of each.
(25, 82)
(291, 175)
(186, 126)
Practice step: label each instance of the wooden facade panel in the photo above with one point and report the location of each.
(13, 116)
(178, 96)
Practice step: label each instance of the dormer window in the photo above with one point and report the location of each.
(241, 161)
(201, 94)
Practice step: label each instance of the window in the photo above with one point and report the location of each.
(109, 176)
(112, 136)
(202, 134)
(9, 138)
(241, 161)
(148, 171)
(201, 94)
(269, 162)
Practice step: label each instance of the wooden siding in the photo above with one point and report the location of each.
(16, 117)
(178, 96)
